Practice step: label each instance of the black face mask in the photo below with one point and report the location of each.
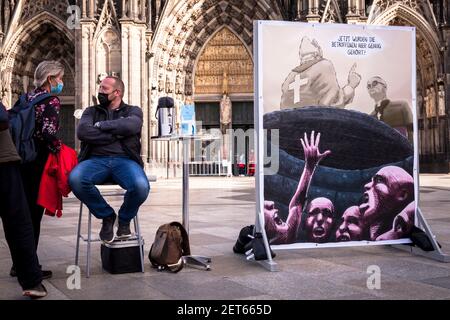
(103, 99)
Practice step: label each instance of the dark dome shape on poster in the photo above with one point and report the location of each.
(356, 140)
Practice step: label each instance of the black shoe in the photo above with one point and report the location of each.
(46, 274)
(13, 272)
(35, 293)
(123, 232)
(107, 231)
(245, 236)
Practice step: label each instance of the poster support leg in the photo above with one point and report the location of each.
(442, 257)
(437, 254)
(195, 261)
(268, 264)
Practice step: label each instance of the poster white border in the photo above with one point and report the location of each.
(259, 130)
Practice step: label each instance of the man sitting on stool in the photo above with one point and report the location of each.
(110, 152)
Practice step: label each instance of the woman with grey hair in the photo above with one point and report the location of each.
(47, 80)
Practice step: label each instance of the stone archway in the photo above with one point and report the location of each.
(431, 116)
(177, 44)
(188, 26)
(223, 65)
(108, 54)
(43, 37)
(223, 90)
(45, 43)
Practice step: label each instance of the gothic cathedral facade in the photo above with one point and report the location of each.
(200, 51)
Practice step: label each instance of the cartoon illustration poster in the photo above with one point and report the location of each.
(341, 99)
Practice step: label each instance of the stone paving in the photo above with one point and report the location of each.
(219, 208)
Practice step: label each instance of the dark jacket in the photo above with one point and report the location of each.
(125, 127)
(8, 152)
(4, 119)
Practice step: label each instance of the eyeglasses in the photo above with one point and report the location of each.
(373, 84)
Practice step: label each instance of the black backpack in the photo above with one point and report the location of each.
(420, 239)
(251, 241)
(245, 236)
(22, 118)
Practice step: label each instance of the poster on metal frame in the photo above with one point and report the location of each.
(336, 129)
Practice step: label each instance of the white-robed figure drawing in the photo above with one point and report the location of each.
(314, 83)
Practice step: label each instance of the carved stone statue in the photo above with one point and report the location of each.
(9, 11)
(427, 103)
(4, 98)
(7, 14)
(432, 100)
(225, 83)
(225, 124)
(441, 102)
(101, 76)
(25, 82)
(178, 85)
(225, 110)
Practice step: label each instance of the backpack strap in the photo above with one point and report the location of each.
(39, 99)
(158, 246)
(184, 235)
(175, 267)
(18, 106)
(152, 261)
(23, 99)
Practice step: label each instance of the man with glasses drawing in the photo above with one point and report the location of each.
(396, 114)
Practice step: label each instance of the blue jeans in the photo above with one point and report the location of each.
(100, 169)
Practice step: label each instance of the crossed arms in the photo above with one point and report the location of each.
(106, 132)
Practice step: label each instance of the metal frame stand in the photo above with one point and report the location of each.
(268, 264)
(437, 254)
(199, 262)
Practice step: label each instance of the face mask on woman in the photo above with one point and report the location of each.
(56, 89)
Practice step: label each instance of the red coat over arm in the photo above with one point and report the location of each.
(55, 180)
